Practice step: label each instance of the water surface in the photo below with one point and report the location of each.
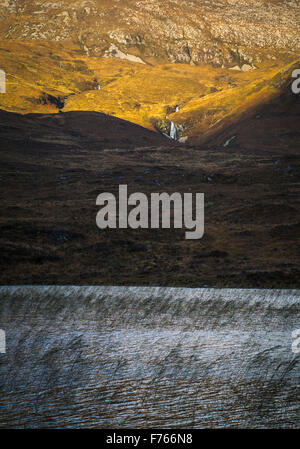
(141, 357)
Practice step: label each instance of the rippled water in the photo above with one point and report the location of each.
(118, 357)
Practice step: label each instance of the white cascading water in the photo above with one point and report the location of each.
(173, 131)
(131, 357)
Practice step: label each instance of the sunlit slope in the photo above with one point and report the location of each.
(36, 72)
(146, 94)
(47, 77)
(202, 118)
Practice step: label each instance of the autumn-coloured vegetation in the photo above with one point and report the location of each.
(48, 77)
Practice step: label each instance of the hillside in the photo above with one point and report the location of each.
(46, 78)
(74, 130)
(219, 32)
(53, 166)
(92, 86)
(138, 60)
(203, 119)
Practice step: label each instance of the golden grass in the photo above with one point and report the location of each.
(208, 97)
(205, 116)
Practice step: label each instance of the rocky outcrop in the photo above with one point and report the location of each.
(114, 52)
(219, 32)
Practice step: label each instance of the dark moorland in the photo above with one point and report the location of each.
(54, 166)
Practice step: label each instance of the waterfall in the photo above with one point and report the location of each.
(173, 131)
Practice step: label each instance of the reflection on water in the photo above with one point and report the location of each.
(119, 357)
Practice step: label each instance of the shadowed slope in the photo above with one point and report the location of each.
(75, 129)
(272, 126)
